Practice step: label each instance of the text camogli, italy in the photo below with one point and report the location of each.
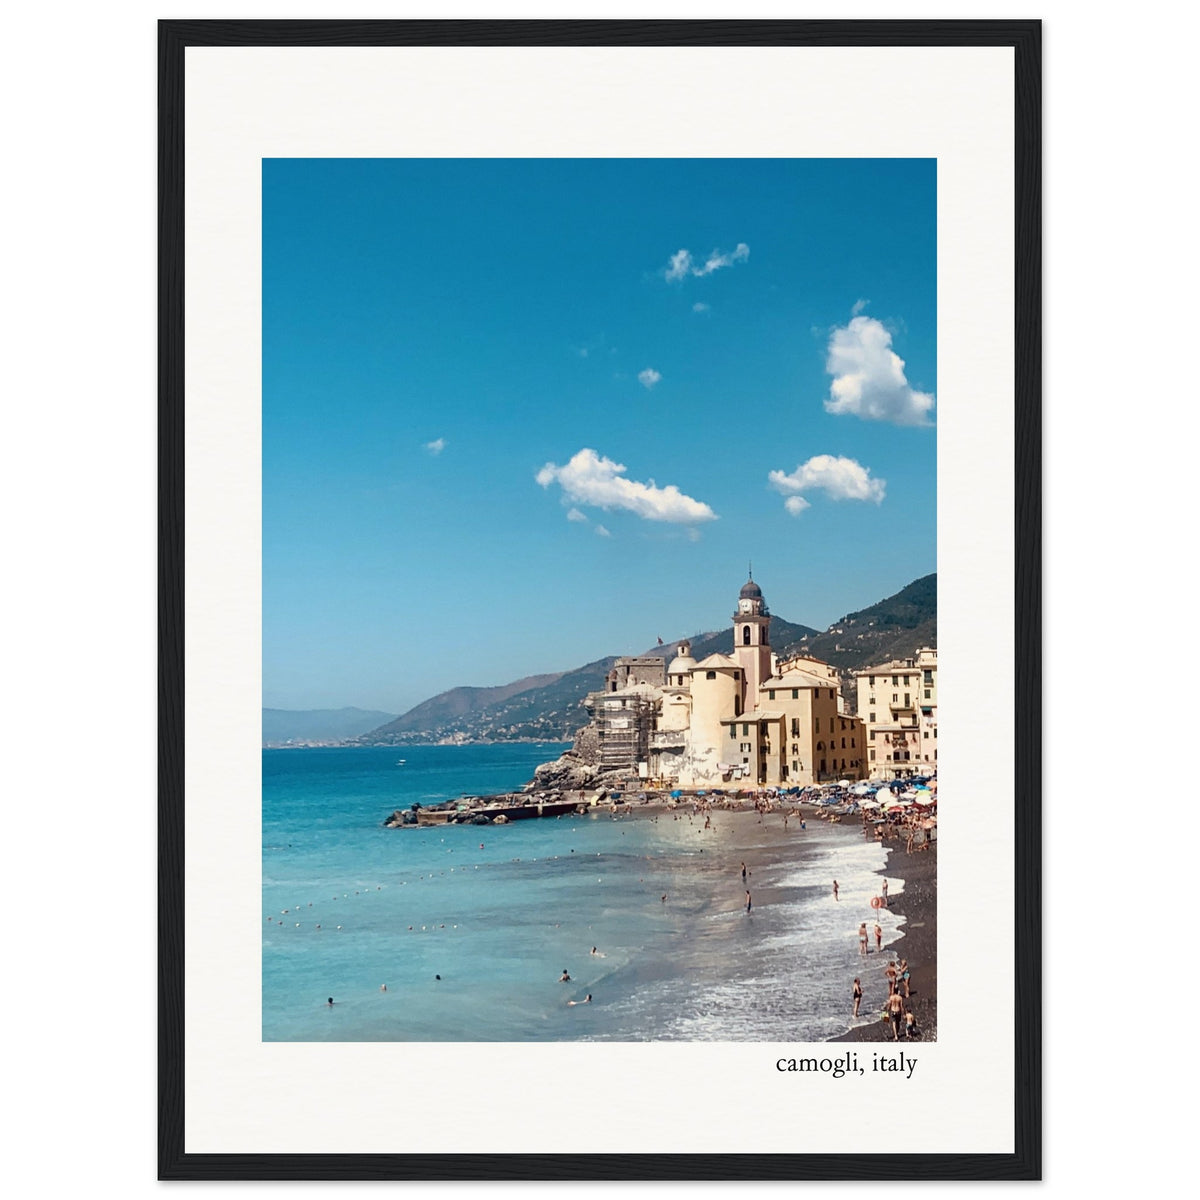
(902, 1065)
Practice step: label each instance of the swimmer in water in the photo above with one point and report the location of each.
(329, 1002)
(564, 977)
(586, 1000)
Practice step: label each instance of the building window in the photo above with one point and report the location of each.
(927, 733)
(928, 694)
(795, 693)
(872, 735)
(795, 765)
(871, 699)
(872, 755)
(853, 744)
(895, 697)
(872, 718)
(795, 727)
(710, 674)
(929, 677)
(895, 681)
(770, 693)
(733, 731)
(745, 635)
(831, 696)
(872, 680)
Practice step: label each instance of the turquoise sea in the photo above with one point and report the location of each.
(499, 912)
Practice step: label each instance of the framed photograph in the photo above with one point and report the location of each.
(598, 462)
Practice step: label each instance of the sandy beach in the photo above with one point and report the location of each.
(915, 901)
(918, 904)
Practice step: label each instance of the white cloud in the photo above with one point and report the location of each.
(868, 377)
(436, 446)
(681, 264)
(859, 305)
(716, 260)
(700, 306)
(648, 378)
(576, 515)
(838, 478)
(590, 479)
(602, 532)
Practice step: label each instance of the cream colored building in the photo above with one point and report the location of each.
(746, 720)
(898, 702)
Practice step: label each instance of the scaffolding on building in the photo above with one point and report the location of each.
(623, 724)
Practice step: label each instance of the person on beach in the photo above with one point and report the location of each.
(857, 994)
(749, 902)
(743, 872)
(895, 1012)
(910, 1024)
(902, 974)
(885, 899)
(862, 938)
(890, 975)
(878, 939)
(835, 890)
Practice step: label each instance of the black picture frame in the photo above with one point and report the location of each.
(1024, 1163)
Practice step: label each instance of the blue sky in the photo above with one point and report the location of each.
(520, 414)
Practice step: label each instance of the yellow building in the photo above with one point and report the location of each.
(744, 720)
(898, 702)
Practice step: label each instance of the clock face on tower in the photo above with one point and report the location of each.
(745, 606)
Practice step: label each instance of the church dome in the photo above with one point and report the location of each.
(750, 591)
(682, 662)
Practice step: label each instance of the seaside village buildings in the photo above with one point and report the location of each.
(898, 700)
(756, 720)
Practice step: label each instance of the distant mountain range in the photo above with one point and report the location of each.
(548, 707)
(318, 726)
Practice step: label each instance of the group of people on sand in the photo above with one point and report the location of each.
(895, 1011)
(864, 937)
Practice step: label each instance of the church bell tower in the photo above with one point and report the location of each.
(751, 639)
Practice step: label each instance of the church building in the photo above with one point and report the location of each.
(746, 719)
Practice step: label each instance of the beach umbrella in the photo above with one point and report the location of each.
(676, 794)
